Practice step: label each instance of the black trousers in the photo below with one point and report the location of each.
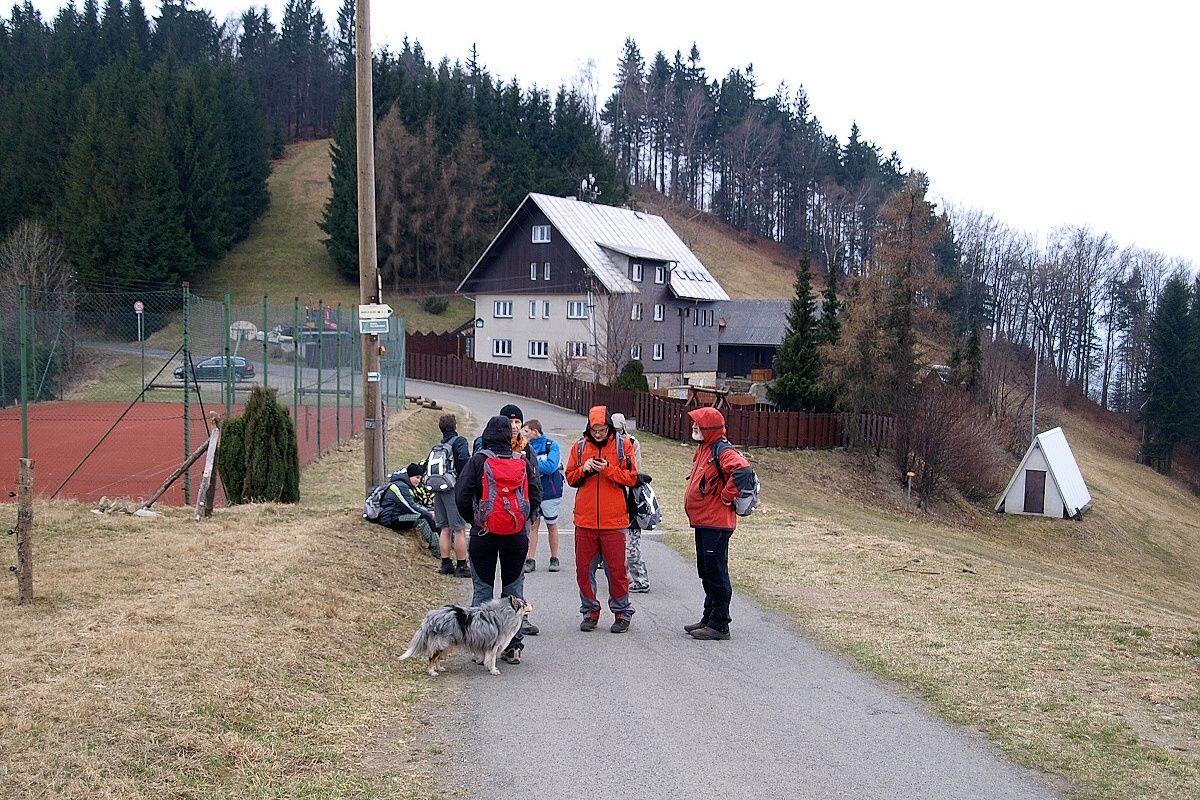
(712, 565)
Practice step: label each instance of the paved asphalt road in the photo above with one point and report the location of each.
(653, 713)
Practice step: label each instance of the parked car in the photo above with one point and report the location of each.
(213, 369)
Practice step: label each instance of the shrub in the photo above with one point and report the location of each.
(231, 458)
(435, 304)
(270, 461)
(633, 378)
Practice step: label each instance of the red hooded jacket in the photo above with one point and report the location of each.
(709, 494)
(599, 496)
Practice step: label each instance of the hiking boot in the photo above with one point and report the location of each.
(463, 570)
(529, 629)
(695, 626)
(709, 634)
(641, 588)
(554, 565)
(530, 565)
(511, 656)
(621, 625)
(588, 624)
(447, 568)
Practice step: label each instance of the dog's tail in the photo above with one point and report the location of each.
(416, 645)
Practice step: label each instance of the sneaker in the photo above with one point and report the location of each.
(695, 626)
(511, 656)
(621, 625)
(446, 568)
(588, 624)
(554, 565)
(529, 629)
(530, 565)
(463, 570)
(709, 634)
(640, 588)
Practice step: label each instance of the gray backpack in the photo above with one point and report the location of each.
(440, 474)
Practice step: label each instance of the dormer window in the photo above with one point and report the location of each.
(636, 271)
(541, 234)
(660, 274)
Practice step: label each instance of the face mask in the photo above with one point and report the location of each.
(697, 436)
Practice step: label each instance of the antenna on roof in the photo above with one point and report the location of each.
(588, 190)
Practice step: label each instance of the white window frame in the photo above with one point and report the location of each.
(636, 271)
(635, 311)
(541, 234)
(660, 274)
(577, 349)
(502, 309)
(533, 309)
(533, 270)
(502, 348)
(660, 312)
(545, 309)
(577, 309)
(658, 351)
(546, 271)
(635, 352)
(539, 348)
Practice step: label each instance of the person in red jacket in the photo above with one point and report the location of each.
(599, 474)
(708, 502)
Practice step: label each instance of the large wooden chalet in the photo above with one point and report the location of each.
(575, 287)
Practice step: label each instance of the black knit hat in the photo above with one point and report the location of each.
(512, 412)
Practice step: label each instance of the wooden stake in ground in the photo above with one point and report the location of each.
(24, 568)
(208, 488)
(192, 459)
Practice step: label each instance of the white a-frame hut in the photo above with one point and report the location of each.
(1047, 481)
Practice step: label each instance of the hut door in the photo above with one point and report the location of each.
(1035, 491)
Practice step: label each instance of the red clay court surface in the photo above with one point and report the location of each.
(141, 452)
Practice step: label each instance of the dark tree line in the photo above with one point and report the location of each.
(142, 144)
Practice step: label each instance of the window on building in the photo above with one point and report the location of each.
(635, 311)
(546, 271)
(541, 234)
(539, 349)
(502, 309)
(502, 347)
(545, 309)
(576, 309)
(577, 349)
(658, 351)
(533, 271)
(660, 274)
(635, 352)
(660, 311)
(533, 309)
(636, 271)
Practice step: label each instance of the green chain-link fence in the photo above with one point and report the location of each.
(201, 354)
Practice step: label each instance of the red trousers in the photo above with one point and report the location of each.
(591, 545)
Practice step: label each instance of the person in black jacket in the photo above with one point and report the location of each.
(400, 510)
(486, 548)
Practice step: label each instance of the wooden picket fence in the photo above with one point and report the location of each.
(748, 426)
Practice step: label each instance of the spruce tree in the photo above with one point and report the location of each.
(1170, 385)
(797, 363)
(340, 220)
(272, 460)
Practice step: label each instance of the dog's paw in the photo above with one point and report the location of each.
(494, 671)
(433, 673)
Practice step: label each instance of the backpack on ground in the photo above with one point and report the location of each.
(440, 474)
(503, 507)
(743, 478)
(644, 513)
(374, 503)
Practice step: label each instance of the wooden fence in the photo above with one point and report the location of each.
(749, 426)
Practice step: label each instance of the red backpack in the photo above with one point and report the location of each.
(503, 507)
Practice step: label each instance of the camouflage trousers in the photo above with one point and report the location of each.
(639, 580)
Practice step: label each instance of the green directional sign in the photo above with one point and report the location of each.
(373, 325)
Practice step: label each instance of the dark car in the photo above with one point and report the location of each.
(213, 369)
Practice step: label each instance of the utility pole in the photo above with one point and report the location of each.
(368, 264)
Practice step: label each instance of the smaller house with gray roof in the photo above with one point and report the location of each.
(580, 288)
(750, 331)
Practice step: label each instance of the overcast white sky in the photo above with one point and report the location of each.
(1040, 112)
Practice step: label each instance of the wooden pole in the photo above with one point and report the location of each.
(24, 568)
(208, 487)
(192, 459)
(368, 263)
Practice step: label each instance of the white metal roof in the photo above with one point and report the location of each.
(1063, 468)
(592, 229)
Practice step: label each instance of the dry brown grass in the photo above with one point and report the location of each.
(245, 656)
(1074, 645)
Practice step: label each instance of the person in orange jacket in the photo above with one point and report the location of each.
(708, 501)
(599, 472)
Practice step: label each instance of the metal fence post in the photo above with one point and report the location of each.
(187, 390)
(296, 364)
(264, 335)
(338, 424)
(24, 378)
(228, 362)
